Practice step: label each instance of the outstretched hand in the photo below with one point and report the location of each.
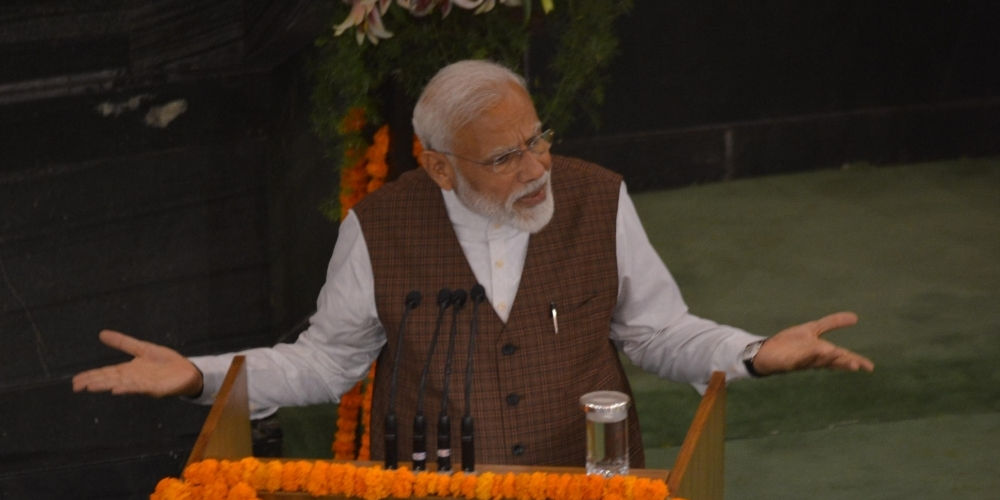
(155, 371)
(801, 347)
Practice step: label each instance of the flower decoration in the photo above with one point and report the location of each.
(208, 479)
(366, 18)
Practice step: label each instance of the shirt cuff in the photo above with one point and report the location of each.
(213, 372)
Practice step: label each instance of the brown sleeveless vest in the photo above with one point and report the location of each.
(527, 380)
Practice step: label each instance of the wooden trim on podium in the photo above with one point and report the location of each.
(698, 472)
(226, 433)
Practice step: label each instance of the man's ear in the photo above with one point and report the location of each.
(439, 168)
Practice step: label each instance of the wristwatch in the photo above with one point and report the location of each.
(749, 354)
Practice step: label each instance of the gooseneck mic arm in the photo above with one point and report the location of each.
(444, 422)
(478, 295)
(391, 425)
(419, 422)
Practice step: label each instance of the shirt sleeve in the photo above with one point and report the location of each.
(651, 323)
(343, 339)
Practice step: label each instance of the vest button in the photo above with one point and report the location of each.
(513, 399)
(509, 349)
(517, 450)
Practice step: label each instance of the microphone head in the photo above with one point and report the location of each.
(478, 294)
(413, 299)
(458, 297)
(444, 297)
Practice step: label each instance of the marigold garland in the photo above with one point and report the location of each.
(210, 479)
(347, 424)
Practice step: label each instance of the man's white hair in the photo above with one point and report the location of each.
(455, 96)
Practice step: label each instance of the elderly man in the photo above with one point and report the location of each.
(491, 206)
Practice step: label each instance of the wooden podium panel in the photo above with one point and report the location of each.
(697, 473)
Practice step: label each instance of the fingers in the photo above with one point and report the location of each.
(109, 378)
(834, 321)
(838, 358)
(122, 342)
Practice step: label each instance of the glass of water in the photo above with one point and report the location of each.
(607, 432)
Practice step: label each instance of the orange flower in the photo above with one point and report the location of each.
(659, 491)
(350, 403)
(628, 482)
(536, 486)
(615, 485)
(170, 488)
(564, 481)
(230, 472)
(242, 491)
(613, 496)
(521, 489)
(380, 144)
(215, 490)
(402, 483)
(353, 121)
(250, 466)
(575, 489)
(443, 485)
(469, 486)
(421, 484)
(376, 483)
(417, 147)
(375, 184)
(272, 475)
(347, 480)
(377, 169)
(552, 482)
(593, 488)
(360, 481)
(294, 474)
(356, 178)
(334, 479)
(202, 472)
(508, 487)
(484, 486)
(455, 483)
(316, 482)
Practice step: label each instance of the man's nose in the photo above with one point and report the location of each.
(533, 166)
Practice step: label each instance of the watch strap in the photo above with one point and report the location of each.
(748, 356)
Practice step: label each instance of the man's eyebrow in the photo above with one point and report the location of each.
(501, 150)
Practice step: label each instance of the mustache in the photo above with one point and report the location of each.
(528, 189)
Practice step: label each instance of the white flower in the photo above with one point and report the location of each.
(366, 17)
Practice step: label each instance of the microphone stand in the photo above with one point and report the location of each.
(419, 422)
(478, 294)
(444, 422)
(391, 425)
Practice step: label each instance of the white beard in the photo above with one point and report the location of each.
(530, 220)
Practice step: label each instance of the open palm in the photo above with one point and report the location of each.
(154, 371)
(801, 347)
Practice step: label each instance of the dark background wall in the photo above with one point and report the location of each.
(205, 235)
(705, 91)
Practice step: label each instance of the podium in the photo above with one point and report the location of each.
(697, 473)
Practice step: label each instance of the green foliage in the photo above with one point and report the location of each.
(349, 75)
(586, 46)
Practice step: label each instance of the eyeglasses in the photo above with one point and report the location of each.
(509, 161)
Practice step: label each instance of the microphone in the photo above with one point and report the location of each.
(419, 422)
(444, 422)
(478, 294)
(391, 426)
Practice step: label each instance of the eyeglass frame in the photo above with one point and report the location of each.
(501, 159)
